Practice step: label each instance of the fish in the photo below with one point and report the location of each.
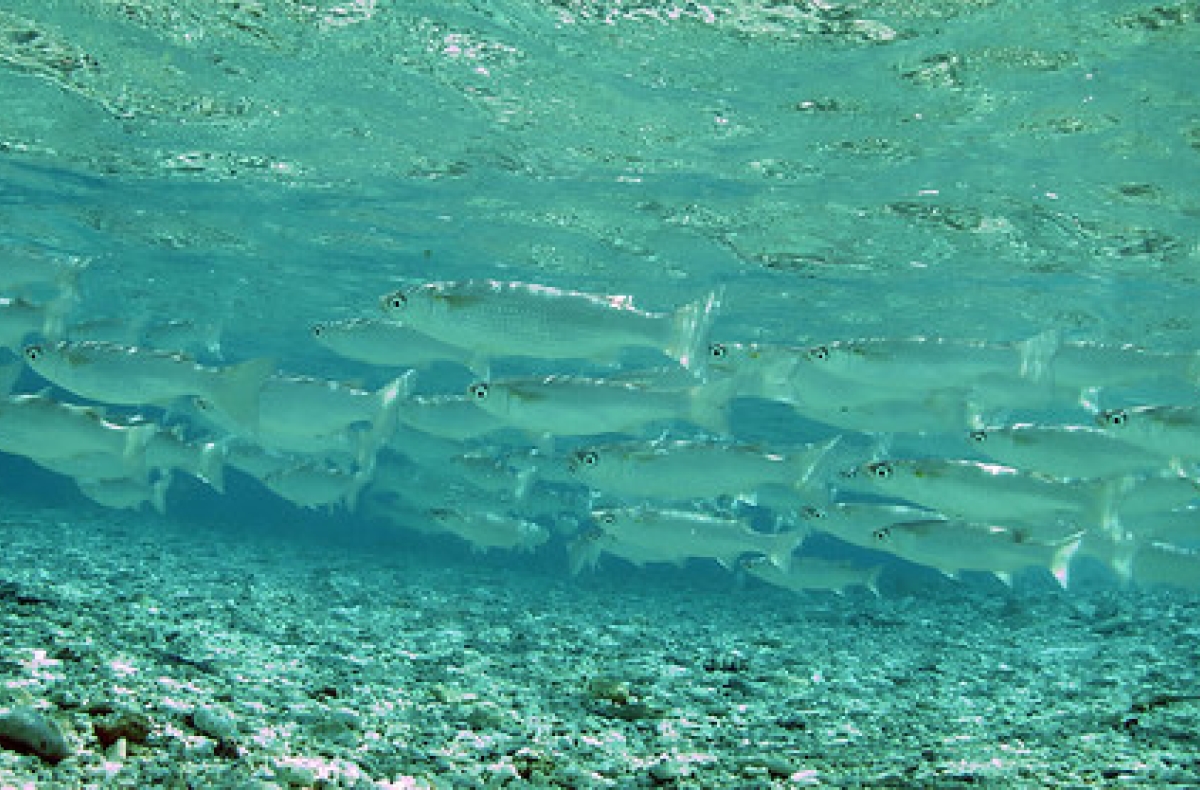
(651, 534)
(387, 344)
(1083, 365)
(313, 484)
(43, 272)
(306, 414)
(1179, 527)
(580, 406)
(1172, 432)
(515, 319)
(1064, 451)
(920, 364)
(40, 427)
(693, 469)
(453, 417)
(1156, 564)
(169, 449)
(979, 491)
(135, 376)
(126, 494)
(857, 522)
(486, 530)
(951, 546)
(20, 318)
(814, 573)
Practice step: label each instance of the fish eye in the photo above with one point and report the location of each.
(318, 330)
(589, 458)
(978, 436)
(883, 533)
(819, 353)
(717, 350)
(1114, 418)
(395, 300)
(33, 353)
(478, 390)
(606, 517)
(880, 471)
(810, 512)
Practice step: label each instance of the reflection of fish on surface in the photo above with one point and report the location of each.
(133, 376)
(646, 534)
(510, 319)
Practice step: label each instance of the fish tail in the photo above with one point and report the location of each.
(872, 580)
(689, 328)
(389, 397)
(1038, 352)
(807, 462)
(212, 465)
(1060, 561)
(158, 493)
(583, 553)
(783, 545)
(237, 393)
(134, 456)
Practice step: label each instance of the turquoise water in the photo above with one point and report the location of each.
(231, 173)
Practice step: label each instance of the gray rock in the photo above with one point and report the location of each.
(25, 730)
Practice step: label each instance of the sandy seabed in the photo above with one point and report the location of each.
(172, 655)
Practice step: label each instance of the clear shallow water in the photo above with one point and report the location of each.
(977, 170)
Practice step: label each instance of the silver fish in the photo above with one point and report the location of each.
(982, 492)
(577, 406)
(1173, 432)
(1064, 451)
(693, 470)
(498, 319)
(954, 546)
(649, 534)
(814, 573)
(136, 376)
(386, 343)
(486, 530)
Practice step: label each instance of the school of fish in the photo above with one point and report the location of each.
(994, 457)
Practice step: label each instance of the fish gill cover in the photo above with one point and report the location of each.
(799, 289)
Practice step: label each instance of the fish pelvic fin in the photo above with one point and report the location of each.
(871, 582)
(689, 329)
(237, 392)
(1038, 352)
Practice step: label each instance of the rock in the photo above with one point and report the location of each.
(127, 725)
(26, 730)
(214, 722)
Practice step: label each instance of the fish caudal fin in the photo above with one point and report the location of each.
(212, 465)
(158, 493)
(809, 463)
(689, 329)
(781, 547)
(1060, 562)
(236, 394)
